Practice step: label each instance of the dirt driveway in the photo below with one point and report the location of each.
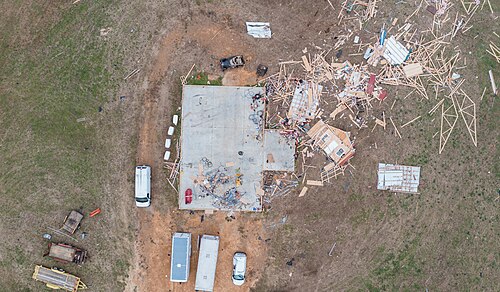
(151, 265)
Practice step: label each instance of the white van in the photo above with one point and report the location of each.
(143, 186)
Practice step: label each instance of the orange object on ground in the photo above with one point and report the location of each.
(95, 212)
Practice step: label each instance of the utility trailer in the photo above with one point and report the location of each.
(66, 253)
(72, 222)
(57, 279)
(207, 263)
(181, 255)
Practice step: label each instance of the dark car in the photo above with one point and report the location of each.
(232, 62)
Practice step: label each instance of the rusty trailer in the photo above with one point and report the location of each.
(66, 253)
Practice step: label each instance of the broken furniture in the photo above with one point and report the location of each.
(72, 222)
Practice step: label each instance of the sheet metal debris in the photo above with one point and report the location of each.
(260, 30)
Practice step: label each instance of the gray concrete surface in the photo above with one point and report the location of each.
(278, 152)
(217, 124)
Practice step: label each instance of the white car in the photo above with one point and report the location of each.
(239, 268)
(143, 186)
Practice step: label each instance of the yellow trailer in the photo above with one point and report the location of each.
(56, 279)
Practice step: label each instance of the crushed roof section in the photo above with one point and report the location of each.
(335, 142)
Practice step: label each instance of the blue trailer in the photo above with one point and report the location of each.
(181, 256)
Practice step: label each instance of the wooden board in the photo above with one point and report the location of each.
(306, 64)
(337, 110)
(413, 70)
(62, 252)
(314, 183)
(303, 192)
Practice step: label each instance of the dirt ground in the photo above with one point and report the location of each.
(368, 228)
(151, 263)
(59, 69)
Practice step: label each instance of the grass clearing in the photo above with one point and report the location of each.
(51, 77)
(202, 78)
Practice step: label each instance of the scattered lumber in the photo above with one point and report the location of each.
(449, 117)
(303, 192)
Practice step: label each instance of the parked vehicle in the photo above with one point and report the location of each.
(143, 186)
(72, 222)
(232, 62)
(181, 256)
(207, 263)
(66, 253)
(239, 268)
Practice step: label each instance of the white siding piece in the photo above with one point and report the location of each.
(398, 178)
(170, 131)
(300, 108)
(259, 30)
(395, 52)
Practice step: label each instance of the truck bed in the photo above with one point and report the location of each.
(62, 252)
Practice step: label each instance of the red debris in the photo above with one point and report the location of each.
(382, 95)
(188, 196)
(371, 84)
(95, 212)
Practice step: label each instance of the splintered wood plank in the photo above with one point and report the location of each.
(337, 110)
(303, 192)
(467, 109)
(413, 70)
(449, 117)
(380, 123)
(307, 65)
(314, 183)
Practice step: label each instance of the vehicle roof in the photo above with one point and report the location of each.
(181, 244)
(142, 181)
(207, 263)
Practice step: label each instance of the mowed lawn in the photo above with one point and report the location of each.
(58, 81)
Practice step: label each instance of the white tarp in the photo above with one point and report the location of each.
(259, 30)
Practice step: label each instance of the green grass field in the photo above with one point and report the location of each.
(54, 70)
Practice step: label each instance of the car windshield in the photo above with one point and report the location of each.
(239, 277)
(141, 200)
